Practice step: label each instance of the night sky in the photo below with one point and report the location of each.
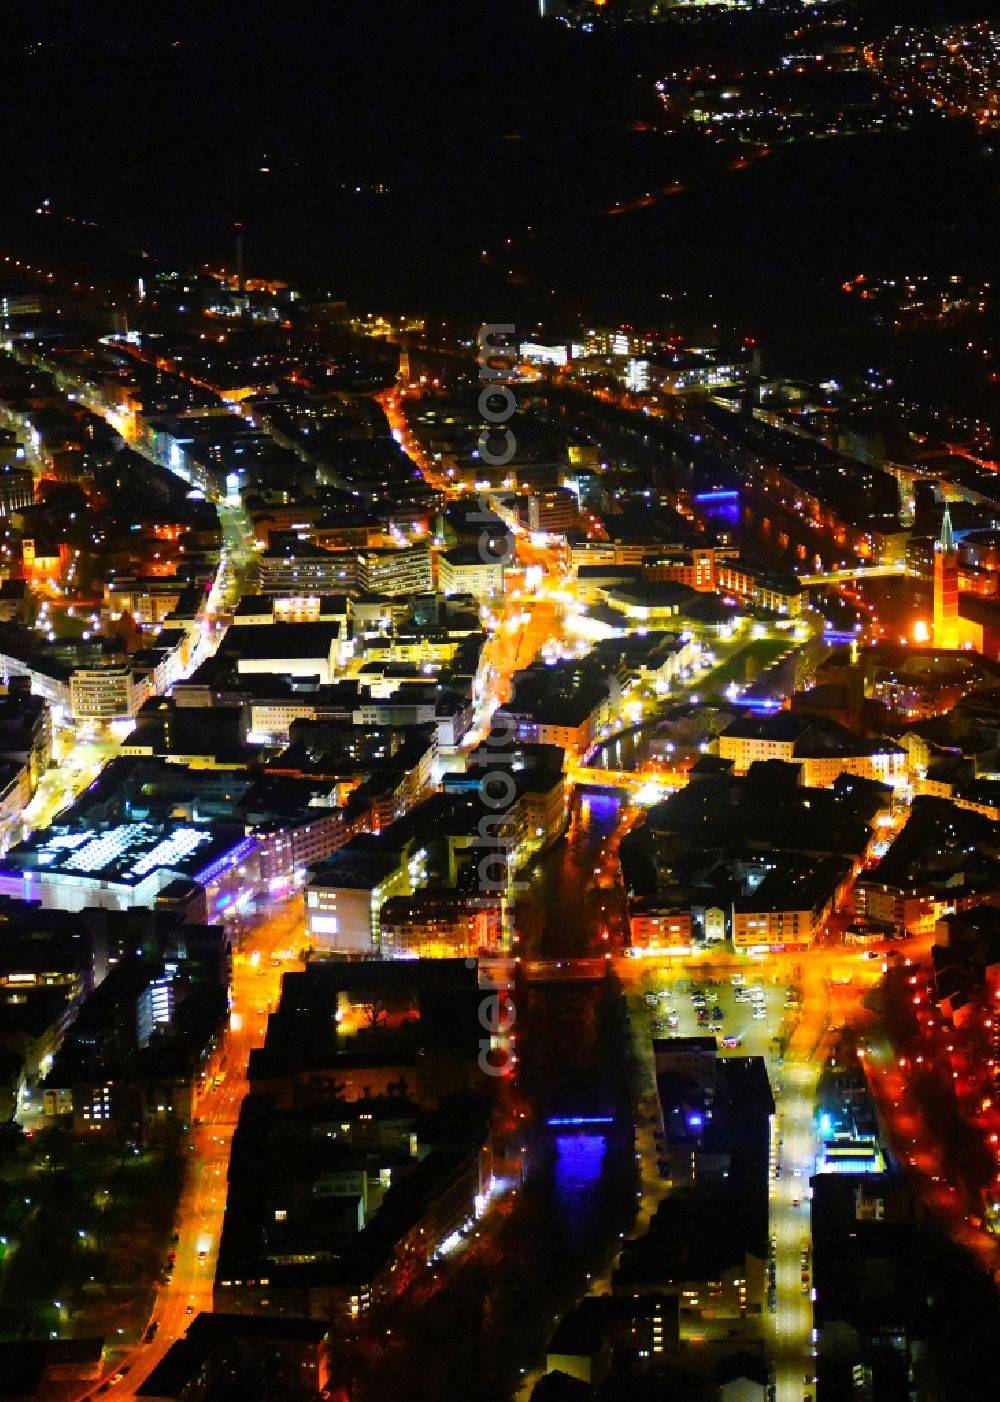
(464, 125)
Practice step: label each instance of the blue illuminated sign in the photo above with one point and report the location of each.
(581, 1120)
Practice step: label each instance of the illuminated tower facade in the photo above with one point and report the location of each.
(946, 587)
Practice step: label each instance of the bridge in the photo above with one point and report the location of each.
(858, 572)
(628, 780)
(500, 973)
(569, 970)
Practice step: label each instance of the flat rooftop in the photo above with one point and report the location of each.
(125, 853)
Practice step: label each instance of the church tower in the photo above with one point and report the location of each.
(946, 587)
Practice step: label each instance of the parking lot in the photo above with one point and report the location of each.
(743, 1016)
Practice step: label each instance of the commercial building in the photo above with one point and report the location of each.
(349, 1029)
(345, 895)
(15, 795)
(436, 923)
(261, 609)
(108, 693)
(418, 705)
(306, 650)
(289, 821)
(353, 1163)
(655, 658)
(71, 867)
(441, 840)
(571, 723)
(46, 967)
(695, 568)
(823, 748)
(653, 928)
(395, 572)
(714, 1111)
(621, 553)
(208, 737)
(540, 809)
(51, 960)
(295, 824)
(791, 905)
(776, 593)
(148, 599)
(550, 513)
(539, 797)
(166, 659)
(563, 705)
(306, 569)
(646, 601)
(468, 570)
(379, 772)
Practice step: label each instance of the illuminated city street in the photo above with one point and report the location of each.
(266, 953)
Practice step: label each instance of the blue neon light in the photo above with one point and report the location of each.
(581, 1120)
(759, 703)
(227, 861)
(695, 1121)
(720, 495)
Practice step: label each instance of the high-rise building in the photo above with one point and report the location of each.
(394, 572)
(946, 624)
